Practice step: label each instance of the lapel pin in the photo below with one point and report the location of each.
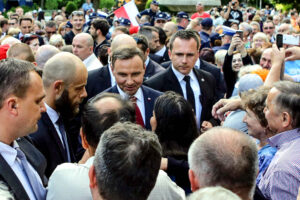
(149, 99)
(202, 79)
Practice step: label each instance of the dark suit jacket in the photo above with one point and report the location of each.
(216, 72)
(152, 68)
(167, 81)
(34, 157)
(150, 96)
(46, 140)
(98, 81)
(156, 58)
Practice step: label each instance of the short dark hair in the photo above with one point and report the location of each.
(94, 123)
(176, 125)
(127, 162)
(208, 55)
(147, 31)
(141, 40)
(162, 35)
(3, 22)
(102, 25)
(289, 99)
(25, 19)
(125, 53)
(185, 35)
(14, 78)
(102, 53)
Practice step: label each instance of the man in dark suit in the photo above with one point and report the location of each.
(197, 86)
(128, 65)
(152, 67)
(102, 78)
(21, 104)
(64, 78)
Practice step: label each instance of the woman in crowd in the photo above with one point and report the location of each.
(254, 104)
(260, 40)
(32, 40)
(174, 122)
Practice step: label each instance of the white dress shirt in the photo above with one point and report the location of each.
(92, 62)
(161, 52)
(112, 77)
(139, 100)
(53, 115)
(10, 156)
(147, 61)
(196, 89)
(197, 64)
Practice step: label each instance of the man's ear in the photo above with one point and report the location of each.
(170, 53)
(85, 144)
(92, 176)
(194, 181)
(58, 87)
(286, 119)
(12, 105)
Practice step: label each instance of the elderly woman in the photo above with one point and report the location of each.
(174, 122)
(260, 40)
(254, 104)
(32, 40)
(57, 41)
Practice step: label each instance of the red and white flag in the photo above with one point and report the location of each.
(128, 11)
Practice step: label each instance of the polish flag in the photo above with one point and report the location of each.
(128, 11)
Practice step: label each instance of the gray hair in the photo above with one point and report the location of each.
(289, 100)
(56, 39)
(246, 27)
(225, 157)
(44, 53)
(215, 193)
(127, 161)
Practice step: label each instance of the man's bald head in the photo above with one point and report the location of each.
(122, 40)
(62, 66)
(83, 45)
(265, 59)
(44, 53)
(224, 157)
(170, 28)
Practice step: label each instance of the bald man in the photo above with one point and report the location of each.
(101, 79)
(224, 157)
(64, 78)
(83, 48)
(170, 28)
(21, 51)
(44, 53)
(265, 59)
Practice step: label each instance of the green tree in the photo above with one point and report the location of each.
(70, 7)
(51, 4)
(106, 4)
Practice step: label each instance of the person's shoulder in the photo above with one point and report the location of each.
(151, 91)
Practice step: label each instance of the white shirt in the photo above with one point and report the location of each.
(10, 156)
(196, 89)
(53, 115)
(197, 64)
(139, 100)
(161, 52)
(147, 61)
(112, 77)
(92, 62)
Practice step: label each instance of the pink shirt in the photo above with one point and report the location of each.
(204, 15)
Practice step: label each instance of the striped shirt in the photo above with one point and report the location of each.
(282, 179)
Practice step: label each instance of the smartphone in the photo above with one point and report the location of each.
(291, 39)
(279, 40)
(240, 32)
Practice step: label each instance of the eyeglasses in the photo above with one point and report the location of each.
(11, 23)
(269, 28)
(53, 32)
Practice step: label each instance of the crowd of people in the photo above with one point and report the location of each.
(191, 106)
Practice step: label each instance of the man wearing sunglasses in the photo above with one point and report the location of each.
(269, 29)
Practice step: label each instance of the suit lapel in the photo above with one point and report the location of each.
(149, 69)
(173, 82)
(54, 134)
(12, 180)
(106, 76)
(148, 103)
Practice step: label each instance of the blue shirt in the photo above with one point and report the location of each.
(150, 13)
(87, 6)
(205, 40)
(265, 156)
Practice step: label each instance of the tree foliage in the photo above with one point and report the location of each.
(107, 3)
(71, 6)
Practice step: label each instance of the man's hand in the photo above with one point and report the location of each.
(292, 53)
(223, 106)
(277, 56)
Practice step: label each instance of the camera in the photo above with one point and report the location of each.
(233, 4)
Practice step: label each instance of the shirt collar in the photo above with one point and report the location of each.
(285, 137)
(180, 76)
(161, 52)
(9, 152)
(197, 64)
(88, 59)
(147, 61)
(138, 94)
(53, 115)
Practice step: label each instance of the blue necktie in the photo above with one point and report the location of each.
(62, 131)
(36, 186)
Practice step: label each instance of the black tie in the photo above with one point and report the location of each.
(189, 92)
(63, 133)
